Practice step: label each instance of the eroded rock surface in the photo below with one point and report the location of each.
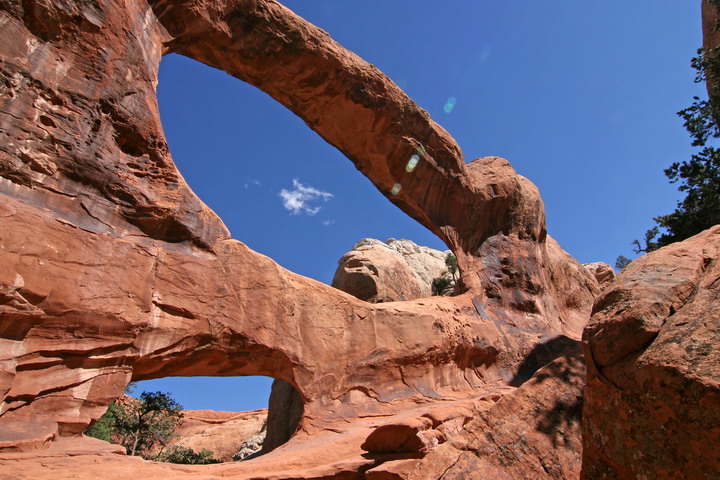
(532, 433)
(652, 404)
(222, 433)
(113, 270)
(252, 446)
(602, 272)
(377, 271)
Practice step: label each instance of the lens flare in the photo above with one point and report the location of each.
(450, 104)
(412, 163)
(395, 189)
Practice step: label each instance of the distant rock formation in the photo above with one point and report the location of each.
(652, 405)
(602, 272)
(389, 271)
(223, 433)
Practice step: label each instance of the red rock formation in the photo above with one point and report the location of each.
(653, 385)
(114, 271)
(532, 433)
(285, 410)
(220, 432)
(652, 402)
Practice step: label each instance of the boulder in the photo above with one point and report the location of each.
(408, 435)
(386, 272)
(652, 402)
(251, 447)
(602, 272)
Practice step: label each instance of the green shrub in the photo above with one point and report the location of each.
(444, 285)
(187, 456)
(441, 285)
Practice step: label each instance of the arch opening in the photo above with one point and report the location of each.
(266, 173)
(173, 420)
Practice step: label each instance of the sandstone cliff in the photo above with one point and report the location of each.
(222, 433)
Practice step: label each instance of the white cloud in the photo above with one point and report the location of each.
(251, 183)
(299, 198)
(327, 223)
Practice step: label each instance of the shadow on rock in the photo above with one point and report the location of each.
(566, 413)
(543, 354)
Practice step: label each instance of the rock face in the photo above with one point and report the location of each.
(285, 410)
(652, 405)
(602, 272)
(538, 421)
(377, 271)
(113, 270)
(222, 433)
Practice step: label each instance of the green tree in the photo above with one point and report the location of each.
(444, 285)
(452, 266)
(650, 243)
(103, 427)
(148, 423)
(622, 262)
(698, 177)
(144, 426)
(700, 209)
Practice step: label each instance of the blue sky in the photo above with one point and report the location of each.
(580, 97)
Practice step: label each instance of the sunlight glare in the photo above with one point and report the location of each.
(412, 163)
(450, 104)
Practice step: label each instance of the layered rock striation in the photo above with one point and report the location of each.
(223, 433)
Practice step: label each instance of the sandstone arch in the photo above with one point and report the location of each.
(114, 269)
